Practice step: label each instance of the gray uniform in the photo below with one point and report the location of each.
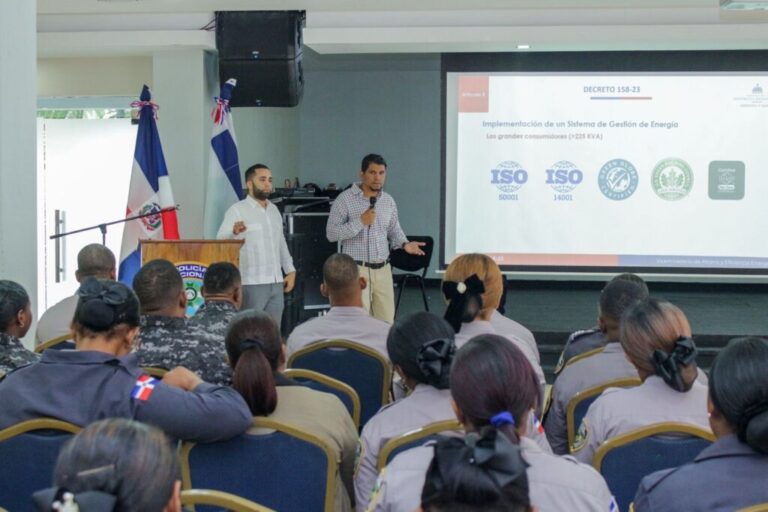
(424, 405)
(56, 320)
(516, 330)
(214, 317)
(168, 342)
(610, 364)
(86, 386)
(346, 323)
(726, 476)
(13, 354)
(555, 483)
(617, 411)
(580, 342)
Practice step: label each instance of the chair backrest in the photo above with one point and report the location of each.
(154, 371)
(625, 460)
(401, 260)
(28, 452)
(220, 499)
(579, 404)
(64, 342)
(326, 384)
(284, 468)
(415, 438)
(760, 507)
(357, 365)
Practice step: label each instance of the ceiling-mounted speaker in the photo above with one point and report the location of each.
(262, 50)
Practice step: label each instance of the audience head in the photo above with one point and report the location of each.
(258, 181)
(634, 278)
(15, 309)
(657, 339)
(421, 347)
(342, 283)
(480, 472)
(255, 350)
(107, 311)
(222, 282)
(492, 383)
(95, 260)
(160, 289)
(118, 464)
(738, 392)
(472, 285)
(617, 296)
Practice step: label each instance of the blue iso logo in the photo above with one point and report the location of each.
(509, 176)
(618, 179)
(563, 176)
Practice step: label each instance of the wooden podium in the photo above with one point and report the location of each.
(200, 252)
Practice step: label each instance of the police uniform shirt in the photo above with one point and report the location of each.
(342, 323)
(168, 342)
(726, 476)
(325, 416)
(55, 322)
(13, 354)
(618, 411)
(214, 317)
(81, 387)
(555, 483)
(423, 406)
(580, 342)
(478, 327)
(516, 330)
(610, 364)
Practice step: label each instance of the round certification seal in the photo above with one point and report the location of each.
(672, 179)
(618, 179)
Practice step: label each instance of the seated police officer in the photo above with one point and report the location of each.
(223, 292)
(101, 379)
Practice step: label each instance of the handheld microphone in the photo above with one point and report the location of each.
(373, 201)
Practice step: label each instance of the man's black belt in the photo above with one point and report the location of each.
(374, 266)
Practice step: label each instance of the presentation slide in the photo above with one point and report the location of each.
(658, 171)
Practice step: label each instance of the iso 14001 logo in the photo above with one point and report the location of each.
(618, 179)
(508, 177)
(672, 179)
(563, 177)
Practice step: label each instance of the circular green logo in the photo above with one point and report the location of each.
(672, 179)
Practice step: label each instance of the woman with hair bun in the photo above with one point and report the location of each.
(15, 320)
(494, 388)
(656, 338)
(730, 474)
(115, 465)
(421, 348)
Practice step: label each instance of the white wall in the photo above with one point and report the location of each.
(107, 76)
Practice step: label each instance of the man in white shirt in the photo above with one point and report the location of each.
(93, 260)
(347, 319)
(264, 257)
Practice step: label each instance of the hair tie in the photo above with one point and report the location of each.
(458, 293)
(503, 418)
(251, 343)
(435, 357)
(667, 365)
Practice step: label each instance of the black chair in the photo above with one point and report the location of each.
(411, 264)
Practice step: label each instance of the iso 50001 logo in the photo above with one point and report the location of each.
(563, 177)
(618, 179)
(508, 177)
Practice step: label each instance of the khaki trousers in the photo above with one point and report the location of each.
(379, 296)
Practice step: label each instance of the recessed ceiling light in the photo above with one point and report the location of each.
(523, 47)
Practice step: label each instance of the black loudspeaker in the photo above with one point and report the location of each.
(262, 50)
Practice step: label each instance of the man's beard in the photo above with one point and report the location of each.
(260, 194)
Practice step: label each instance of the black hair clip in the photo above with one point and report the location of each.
(434, 355)
(668, 365)
(57, 499)
(458, 294)
(109, 292)
(251, 343)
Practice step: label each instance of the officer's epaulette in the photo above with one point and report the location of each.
(579, 334)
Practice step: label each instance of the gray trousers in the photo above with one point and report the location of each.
(264, 297)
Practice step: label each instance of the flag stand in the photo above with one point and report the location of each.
(103, 226)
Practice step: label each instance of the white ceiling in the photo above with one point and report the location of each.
(76, 28)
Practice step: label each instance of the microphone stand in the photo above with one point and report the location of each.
(103, 227)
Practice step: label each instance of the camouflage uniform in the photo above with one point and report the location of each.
(214, 317)
(167, 342)
(13, 354)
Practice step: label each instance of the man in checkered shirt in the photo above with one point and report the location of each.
(367, 233)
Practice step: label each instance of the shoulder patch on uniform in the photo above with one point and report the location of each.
(377, 493)
(144, 387)
(359, 452)
(613, 506)
(580, 440)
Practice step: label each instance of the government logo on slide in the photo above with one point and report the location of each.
(508, 177)
(672, 179)
(618, 179)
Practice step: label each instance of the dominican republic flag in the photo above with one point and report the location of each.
(143, 387)
(150, 192)
(225, 187)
